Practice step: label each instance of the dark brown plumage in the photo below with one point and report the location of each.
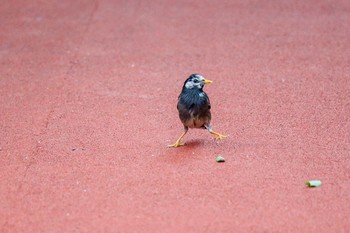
(194, 107)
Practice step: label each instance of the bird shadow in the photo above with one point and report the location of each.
(190, 144)
(194, 143)
(182, 153)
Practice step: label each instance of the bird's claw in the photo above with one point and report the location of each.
(219, 137)
(176, 145)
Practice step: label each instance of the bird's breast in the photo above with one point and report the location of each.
(194, 109)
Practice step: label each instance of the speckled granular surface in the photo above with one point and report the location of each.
(88, 104)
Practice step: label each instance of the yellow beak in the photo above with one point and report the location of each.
(207, 81)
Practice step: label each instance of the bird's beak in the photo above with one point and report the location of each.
(207, 81)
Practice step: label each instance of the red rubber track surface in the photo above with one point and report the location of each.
(88, 104)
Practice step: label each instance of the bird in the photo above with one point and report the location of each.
(194, 107)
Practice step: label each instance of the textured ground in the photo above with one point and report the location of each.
(88, 104)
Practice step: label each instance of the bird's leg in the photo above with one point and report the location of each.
(218, 135)
(177, 143)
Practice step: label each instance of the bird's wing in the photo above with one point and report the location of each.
(205, 111)
(208, 101)
(184, 112)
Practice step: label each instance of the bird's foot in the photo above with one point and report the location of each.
(218, 135)
(176, 144)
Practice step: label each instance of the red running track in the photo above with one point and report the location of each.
(88, 104)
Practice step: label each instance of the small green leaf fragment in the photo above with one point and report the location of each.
(313, 183)
(220, 159)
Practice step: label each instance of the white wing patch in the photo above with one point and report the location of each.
(201, 94)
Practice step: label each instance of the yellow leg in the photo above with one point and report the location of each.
(218, 136)
(210, 129)
(177, 143)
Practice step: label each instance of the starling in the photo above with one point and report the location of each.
(194, 107)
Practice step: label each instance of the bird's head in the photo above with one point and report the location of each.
(196, 81)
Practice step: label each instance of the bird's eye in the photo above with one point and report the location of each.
(195, 80)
